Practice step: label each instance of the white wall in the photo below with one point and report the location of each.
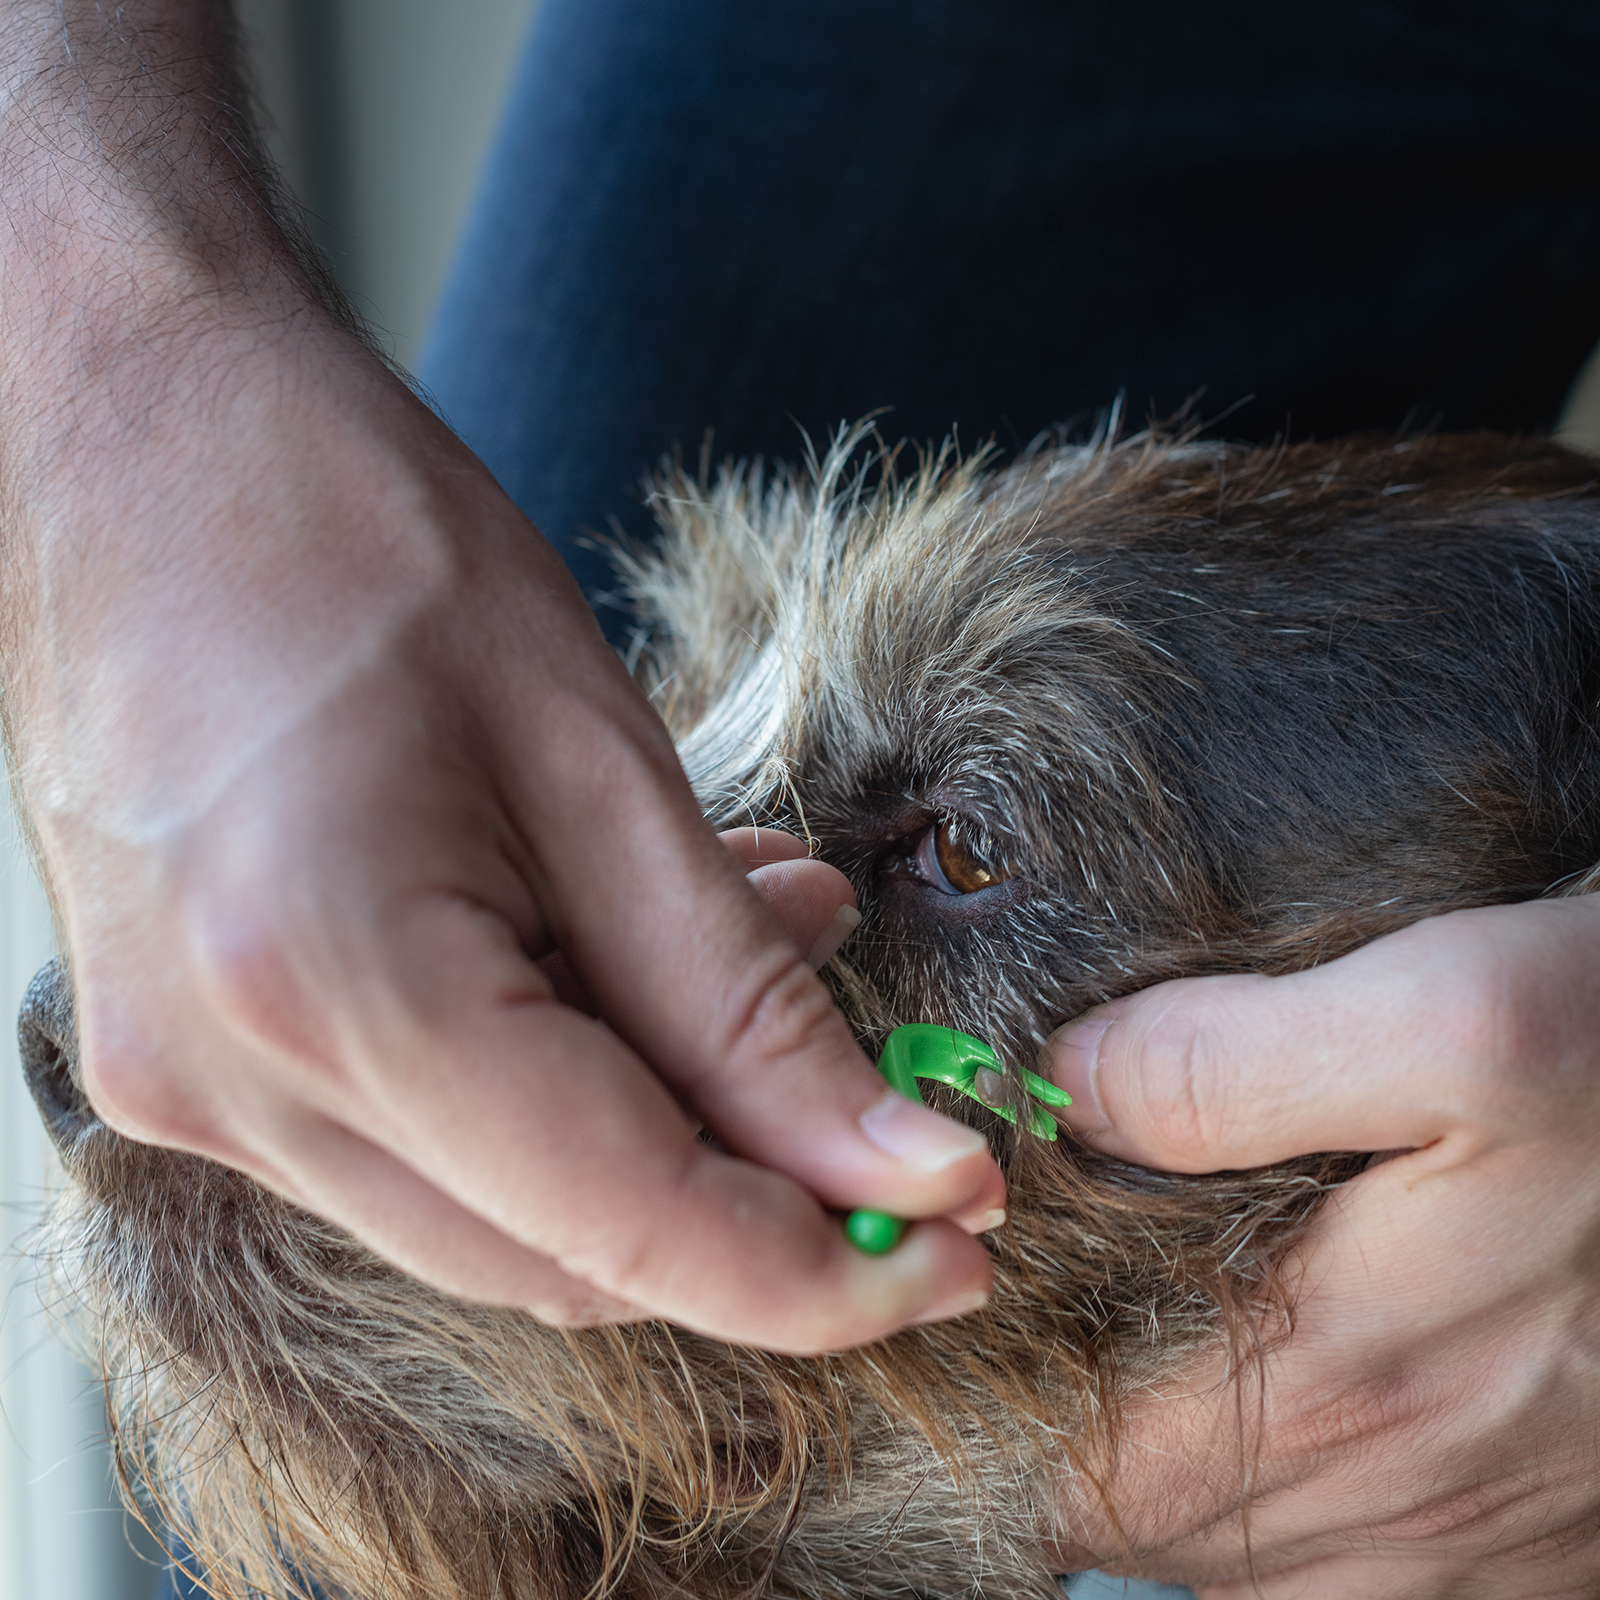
(424, 84)
(379, 114)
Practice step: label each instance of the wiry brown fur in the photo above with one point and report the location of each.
(1212, 709)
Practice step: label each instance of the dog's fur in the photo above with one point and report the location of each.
(1200, 710)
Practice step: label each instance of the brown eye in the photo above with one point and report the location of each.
(957, 869)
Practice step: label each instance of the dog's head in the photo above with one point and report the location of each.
(1114, 714)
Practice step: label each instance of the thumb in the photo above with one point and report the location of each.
(1465, 1023)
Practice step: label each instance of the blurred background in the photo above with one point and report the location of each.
(379, 112)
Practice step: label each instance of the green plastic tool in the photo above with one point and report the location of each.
(942, 1055)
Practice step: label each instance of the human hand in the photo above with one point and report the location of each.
(1431, 1426)
(311, 846)
(326, 760)
(315, 817)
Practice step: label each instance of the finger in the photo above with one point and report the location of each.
(760, 847)
(690, 968)
(414, 1014)
(557, 1135)
(1461, 1028)
(814, 904)
(410, 1222)
(800, 892)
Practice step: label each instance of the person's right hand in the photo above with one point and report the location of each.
(325, 756)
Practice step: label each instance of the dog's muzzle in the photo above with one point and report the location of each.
(47, 1035)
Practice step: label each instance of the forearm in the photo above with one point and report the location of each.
(132, 178)
(140, 218)
(183, 419)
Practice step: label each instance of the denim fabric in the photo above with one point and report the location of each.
(762, 218)
(180, 1581)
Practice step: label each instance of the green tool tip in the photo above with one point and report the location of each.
(875, 1232)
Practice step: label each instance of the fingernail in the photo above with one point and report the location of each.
(917, 1136)
(958, 1305)
(1074, 1065)
(845, 922)
(982, 1221)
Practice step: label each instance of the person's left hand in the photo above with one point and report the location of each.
(1431, 1425)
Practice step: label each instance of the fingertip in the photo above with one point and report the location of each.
(1242, 1070)
(841, 1296)
(915, 1136)
(812, 902)
(1072, 1063)
(962, 1304)
(1165, 1077)
(761, 847)
(959, 1274)
(984, 1220)
(934, 1274)
(829, 942)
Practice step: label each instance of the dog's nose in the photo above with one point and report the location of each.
(48, 1037)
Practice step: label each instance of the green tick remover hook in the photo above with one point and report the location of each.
(921, 1050)
(924, 1050)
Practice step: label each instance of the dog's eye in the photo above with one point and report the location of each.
(943, 859)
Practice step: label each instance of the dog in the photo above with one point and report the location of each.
(1113, 713)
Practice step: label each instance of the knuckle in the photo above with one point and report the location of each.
(619, 1266)
(1485, 1022)
(1180, 1078)
(1516, 1042)
(246, 973)
(136, 1092)
(786, 1014)
(1470, 994)
(1323, 1424)
(1498, 1045)
(249, 965)
(623, 1254)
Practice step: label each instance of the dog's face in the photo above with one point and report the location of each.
(1111, 716)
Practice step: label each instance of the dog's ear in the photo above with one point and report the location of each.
(47, 1035)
